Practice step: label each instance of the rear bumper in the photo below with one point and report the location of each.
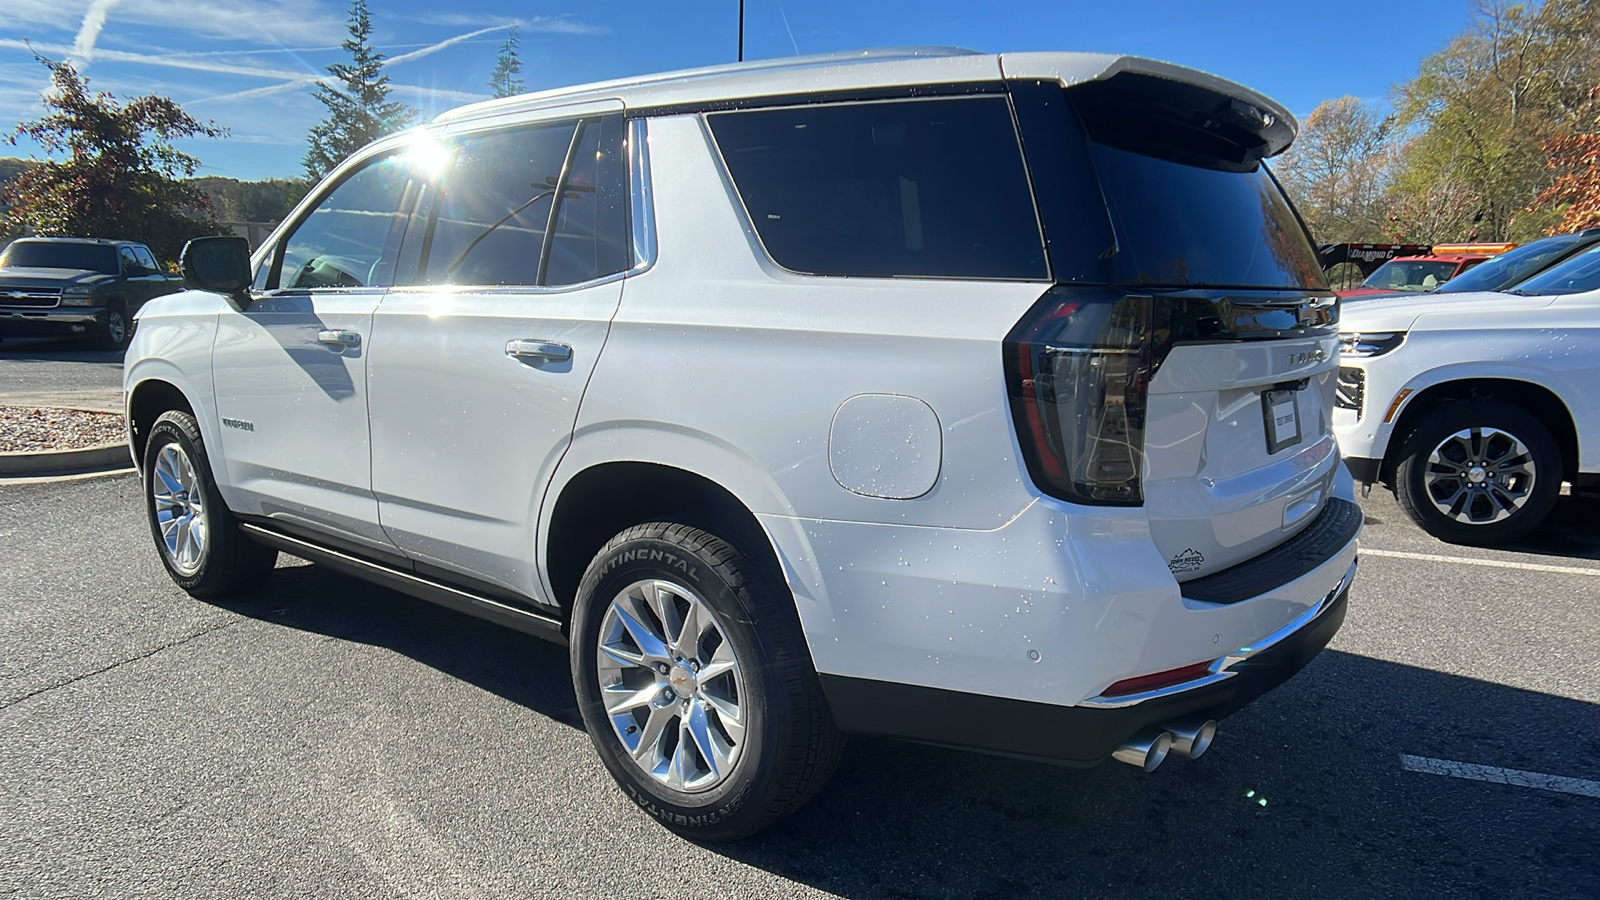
(1080, 735)
(21, 322)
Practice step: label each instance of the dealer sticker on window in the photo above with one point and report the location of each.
(1282, 410)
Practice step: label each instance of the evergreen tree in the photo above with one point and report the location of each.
(357, 98)
(504, 82)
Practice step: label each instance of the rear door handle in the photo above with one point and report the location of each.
(339, 339)
(538, 352)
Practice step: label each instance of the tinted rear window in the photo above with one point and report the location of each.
(1190, 225)
(913, 188)
(40, 255)
(1192, 202)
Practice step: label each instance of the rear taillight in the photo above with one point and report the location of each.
(1078, 369)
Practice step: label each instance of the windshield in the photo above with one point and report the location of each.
(52, 255)
(1410, 275)
(1509, 268)
(1574, 276)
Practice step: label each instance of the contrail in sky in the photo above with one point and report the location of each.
(304, 80)
(89, 32)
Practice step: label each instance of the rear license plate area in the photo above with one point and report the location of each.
(1281, 410)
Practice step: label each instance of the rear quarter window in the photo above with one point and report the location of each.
(932, 188)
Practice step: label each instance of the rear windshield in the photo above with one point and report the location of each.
(1192, 202)
(1577, 275)
(50, 255)
(1188, 225)
(932, 188)
(1511, 267)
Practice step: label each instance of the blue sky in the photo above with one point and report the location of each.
(250, 64)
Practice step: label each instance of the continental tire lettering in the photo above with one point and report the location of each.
(661, 556)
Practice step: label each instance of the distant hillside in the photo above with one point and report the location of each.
(11, 167)
(252, 201)
(235, 200)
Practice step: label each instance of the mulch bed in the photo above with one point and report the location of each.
(47, 428)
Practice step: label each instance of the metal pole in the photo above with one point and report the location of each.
(741, 30)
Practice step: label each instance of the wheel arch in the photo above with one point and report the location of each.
(601, 500)
(1536, 398)
(147, 400)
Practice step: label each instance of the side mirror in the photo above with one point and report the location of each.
(217, 264)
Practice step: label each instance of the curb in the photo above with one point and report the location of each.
(30, 463)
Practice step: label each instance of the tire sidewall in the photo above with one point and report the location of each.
(1460, 416)
(118, 310)
(614, 570)
(176, 427)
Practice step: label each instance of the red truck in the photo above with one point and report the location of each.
(1424, 271)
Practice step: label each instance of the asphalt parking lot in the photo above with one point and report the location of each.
(328, 738)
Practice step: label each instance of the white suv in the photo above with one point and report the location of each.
(1476, 407)
(974, 400)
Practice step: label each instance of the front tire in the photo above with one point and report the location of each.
(1478, 472)
(712, 723)
(197, 536)
(117, 330)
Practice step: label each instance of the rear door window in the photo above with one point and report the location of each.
(932, 188)
(490, 220)
(146, 259)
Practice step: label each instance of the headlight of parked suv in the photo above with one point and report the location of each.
(1377, 343)
(77, 295)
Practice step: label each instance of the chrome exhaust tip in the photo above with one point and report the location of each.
(1193, 739)
(1146, 750)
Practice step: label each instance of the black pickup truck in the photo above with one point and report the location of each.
(78, 286)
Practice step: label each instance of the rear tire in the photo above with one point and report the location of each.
(1478, 472)
(196, 535)
(712, 723)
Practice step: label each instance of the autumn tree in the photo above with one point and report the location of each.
(357, 98)
(1337, 171)
(504, 81)
(1575, 158)
(121, 175)
(1479, 114)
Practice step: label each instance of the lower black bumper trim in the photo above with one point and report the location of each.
(1074, 735)
(1363, 470)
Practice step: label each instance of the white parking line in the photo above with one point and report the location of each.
(1498, 775)
(1491, 563)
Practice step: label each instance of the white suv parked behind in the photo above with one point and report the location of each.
(1476, 407)
(967, 399)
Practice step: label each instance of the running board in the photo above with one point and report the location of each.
(406, 583)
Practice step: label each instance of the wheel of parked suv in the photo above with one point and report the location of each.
(695, 683)
(118, 328)
(198, 538)
(1478, 472)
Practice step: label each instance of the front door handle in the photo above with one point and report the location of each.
(537, 352)
(339, 340)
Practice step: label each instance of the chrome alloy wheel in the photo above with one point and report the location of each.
(180, 509)
(671, 686)
(116, 326)
(1480, 475)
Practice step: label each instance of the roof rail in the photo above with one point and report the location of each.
(876, 54)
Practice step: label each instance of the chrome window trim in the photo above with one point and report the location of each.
(509, 288)
(1221, 669)
(642, 218)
